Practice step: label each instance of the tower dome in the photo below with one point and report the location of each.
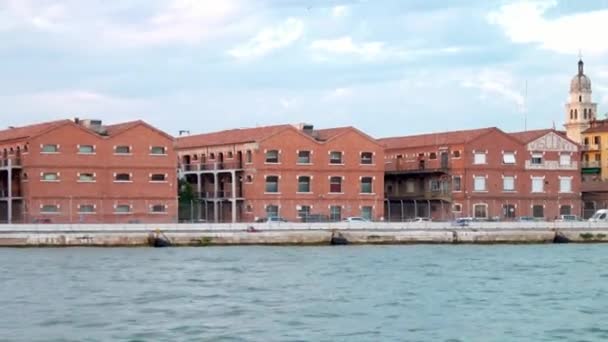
(580, 82)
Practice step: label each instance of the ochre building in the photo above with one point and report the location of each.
(290, 171)
(80, 171)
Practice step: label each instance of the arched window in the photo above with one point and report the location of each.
(571, 114)
(580, 98)
(585, 113)
(575, 114)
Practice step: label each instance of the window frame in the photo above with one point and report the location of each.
(268, 183)
(80, 149)
(485, 185)
(152, 180)
(54, 151)
(309, 184)
(505, 155)
(366, 161)
(56, 211)
(333, 161)
(118, 153)
(81, 212)
(338, 184)
(81, 180)
(504, 183)
(541, 181)
(480, 154)
(309, 162)
(370, 184)
(116, 176)
(266, 157)
(120, 212)
(163, 149)
(44, 179)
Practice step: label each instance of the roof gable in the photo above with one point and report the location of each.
(552, 142)
(434, 139)
(227, 137)
(29, 131)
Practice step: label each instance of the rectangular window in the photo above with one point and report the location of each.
(303, 211)
(122, 209)
(272, 184)
(303, 157)
(457, 183)
(335, 213)
(158, 150)
(480, 158)
(537, 158)
(86, 209)
(508, 158)
(122, 177)
(480, 184)
(456, 154)
(304, 184)
(367, 158)
(272, 210)
(335, 157)
(249, 157)
(565, 159)
(86, 177)
(158, 209)
(158, 177)
(50, 148)
(86, 149)
(410, 186)
(457, 208)
(272, 157)
(122, 149)
(481, 210)
(335, 184)
(538, 184)
(565, 210)
(366, 185)
(508, 183)
(50, 177)
(565, 184)
(538, 211)
(596, 140)
(367, 212)
(49, 209)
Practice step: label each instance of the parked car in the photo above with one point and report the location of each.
(599, 216)
(355, 219)
(315, 218)
(462, 221)
(567, 218)
(421, 219)
(271, 219)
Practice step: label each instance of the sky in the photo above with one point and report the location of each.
(387, 67)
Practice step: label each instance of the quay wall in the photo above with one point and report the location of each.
(293, 234)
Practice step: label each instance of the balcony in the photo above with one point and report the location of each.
(16, 193)
(592, 147)
(420, 195)
(215, 166)
(595, 164)
(14, 162)
(401, 167)
(221, 195)
(551, 165)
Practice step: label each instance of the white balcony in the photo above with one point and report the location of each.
(551, 165)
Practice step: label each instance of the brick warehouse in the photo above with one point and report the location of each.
(284, 170)
(81, 171)
(483, 173)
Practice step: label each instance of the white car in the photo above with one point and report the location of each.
(355, 219)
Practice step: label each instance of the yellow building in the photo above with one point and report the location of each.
(594, 165)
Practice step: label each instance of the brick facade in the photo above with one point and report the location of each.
(65, 172)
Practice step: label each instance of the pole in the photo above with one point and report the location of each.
(9, 202)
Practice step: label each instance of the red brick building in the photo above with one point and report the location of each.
(284, 170)
(483, 173)
(83, 172)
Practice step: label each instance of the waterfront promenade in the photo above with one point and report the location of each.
(208, 234)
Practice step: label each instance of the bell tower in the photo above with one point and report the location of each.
(580, 110)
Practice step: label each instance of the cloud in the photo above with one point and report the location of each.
(340, 11)
(270, 39)
(495, 82)
(123, 24)
(346, 46)
(526, 22)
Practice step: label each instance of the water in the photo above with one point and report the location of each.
(366, 293)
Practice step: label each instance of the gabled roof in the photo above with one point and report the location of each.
(116, 129)
(25, 132)
(433, 139)
(329, 133)
(231, 136)
(527, 136)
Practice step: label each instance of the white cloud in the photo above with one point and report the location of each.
(346, 46)
(340, 11)
(338, 93)
(525, 22)
(270, 39)
(495, 82)
(173, 21)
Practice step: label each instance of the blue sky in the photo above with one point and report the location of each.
(387, 67)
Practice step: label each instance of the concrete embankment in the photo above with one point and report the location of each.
(181, 237)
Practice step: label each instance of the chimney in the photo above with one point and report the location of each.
(305, 128)
(93, 125)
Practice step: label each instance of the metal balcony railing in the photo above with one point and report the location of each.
(590, 164)
(4, 162)
(229, 165)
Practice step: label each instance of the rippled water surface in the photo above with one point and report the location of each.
(366, 293)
